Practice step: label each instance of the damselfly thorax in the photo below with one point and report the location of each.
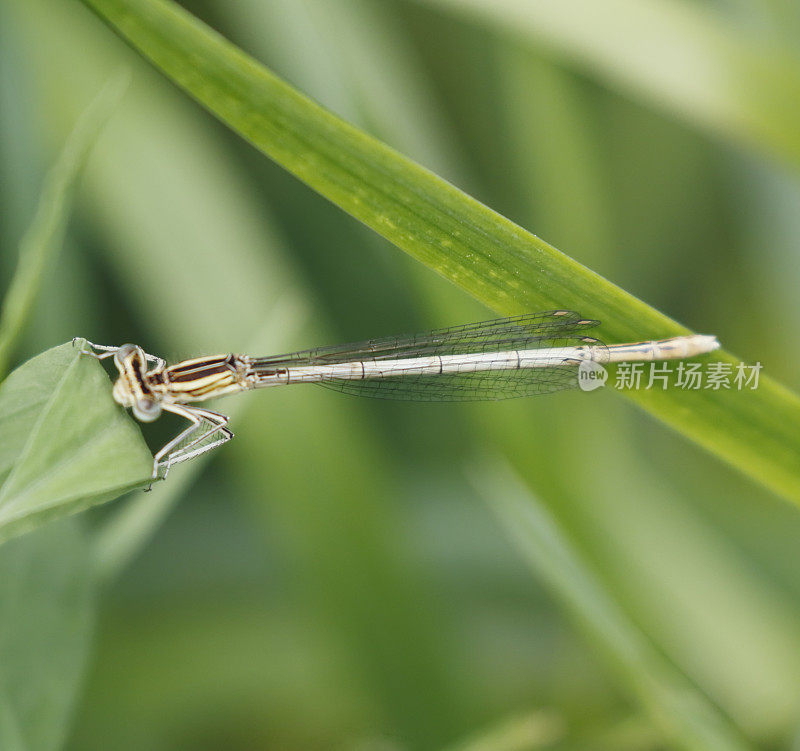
(509, 357)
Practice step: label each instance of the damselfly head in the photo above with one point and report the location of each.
(131, 389)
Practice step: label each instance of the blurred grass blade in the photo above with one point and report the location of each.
(553, 137)
(686, 58)
(498, 262)
(46, 614)
(535, 730)
(686, 718)
(65, 444)
(43, 237)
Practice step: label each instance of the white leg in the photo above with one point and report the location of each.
(102, 351)
(195, 415)
(98, 351)
(159, 362)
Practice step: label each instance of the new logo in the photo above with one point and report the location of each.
(591, 375)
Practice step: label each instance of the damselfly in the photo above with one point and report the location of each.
(529, 354)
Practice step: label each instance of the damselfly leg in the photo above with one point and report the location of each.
(103, 352)
(186, 445)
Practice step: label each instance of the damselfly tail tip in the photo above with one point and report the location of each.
(705, 343)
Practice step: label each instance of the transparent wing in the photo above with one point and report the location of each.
(463, 387)
(540, 331)
(499, 334)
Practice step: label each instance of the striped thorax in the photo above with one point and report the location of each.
(144, 391)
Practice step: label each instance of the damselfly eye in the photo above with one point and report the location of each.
(146, 410)
(123, 353)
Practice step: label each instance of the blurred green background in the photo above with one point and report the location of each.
(334, 578)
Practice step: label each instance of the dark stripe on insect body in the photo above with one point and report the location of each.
(198, 374)
(134, 369)
(202, 376)
(154, 378)
(190, 369)
(204, 386)
(279, 375)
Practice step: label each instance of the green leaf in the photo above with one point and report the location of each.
(43, 237)
(46, 618)
(498, 262)
(682, 713)
(65, 444)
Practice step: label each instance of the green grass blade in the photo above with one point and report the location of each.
(43, 237)
(685, 58)
(498, 262)
(65, 444)
(685, 717)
